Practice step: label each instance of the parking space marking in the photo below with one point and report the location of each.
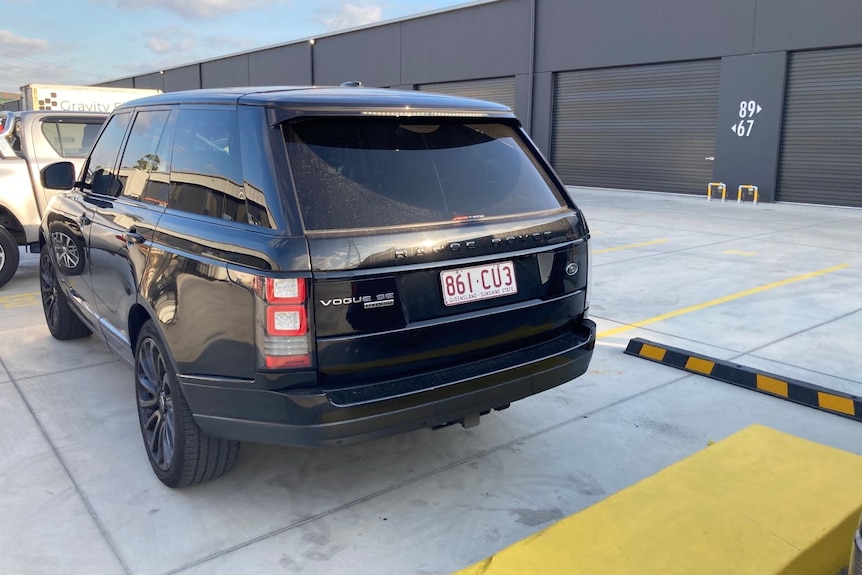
(630, 246)
(720, 300)
(19, 300)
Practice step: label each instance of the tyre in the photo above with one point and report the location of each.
(9, 256)
(179, 452)
(62, 321)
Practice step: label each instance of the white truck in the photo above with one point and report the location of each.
(58, 123)
(78, 98)
(28, 142)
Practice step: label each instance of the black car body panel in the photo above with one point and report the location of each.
(201, 229)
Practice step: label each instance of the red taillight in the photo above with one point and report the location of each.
(286, 341)
(282, 361)
(285, 290)
(286, 320)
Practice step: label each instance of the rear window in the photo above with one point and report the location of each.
(352, 173)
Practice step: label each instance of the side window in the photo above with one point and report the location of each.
(158, 184)
(141, 154)
(206, 167)
(70, 137)
(100, 175)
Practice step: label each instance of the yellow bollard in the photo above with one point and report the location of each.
(749, 188)
(719, 187)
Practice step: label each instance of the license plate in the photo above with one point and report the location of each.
(477, 283)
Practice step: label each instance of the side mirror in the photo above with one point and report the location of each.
(58, 176)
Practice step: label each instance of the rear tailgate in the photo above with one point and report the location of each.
(380, 303)
(434, 242)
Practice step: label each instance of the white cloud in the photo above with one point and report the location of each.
(197, 9)
(12, 44)
(351, 15)
(171, 44)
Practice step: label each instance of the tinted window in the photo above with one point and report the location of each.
(100, 175)
(158, 184)
(141, 157)
(71, 138)
(359, 173)
(206, 167)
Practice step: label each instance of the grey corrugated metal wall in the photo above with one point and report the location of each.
(500, 90)
(821, 141)
(640, 128)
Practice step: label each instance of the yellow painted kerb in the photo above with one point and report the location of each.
(741, 507)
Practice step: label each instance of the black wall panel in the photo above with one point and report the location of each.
(638, 128)
(580, 34)
(336, 59)
(500, 90)
(805, 24)
(155, 81)
(484, 41)
(124, 83)
(225, 72)
(821, 142)
(184, 78)
(282, 66)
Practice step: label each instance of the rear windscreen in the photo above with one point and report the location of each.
(370, 173)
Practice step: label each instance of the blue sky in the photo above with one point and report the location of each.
(92, 41)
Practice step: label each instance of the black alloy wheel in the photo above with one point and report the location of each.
(155, 404)
(179, 452)
(62, 321)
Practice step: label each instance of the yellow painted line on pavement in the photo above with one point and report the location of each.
(721, 300)
(630, 246)
(759, 502)
(20, 300)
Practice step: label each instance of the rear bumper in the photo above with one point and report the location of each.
(307, 417)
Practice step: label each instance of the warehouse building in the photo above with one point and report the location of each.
(663, 95)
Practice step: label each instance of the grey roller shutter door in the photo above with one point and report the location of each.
(637, 128)
(821, 140)
(500, 90)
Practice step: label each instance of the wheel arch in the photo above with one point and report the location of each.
(138, 316)
(12, 225)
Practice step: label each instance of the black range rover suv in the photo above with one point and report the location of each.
(316, 266)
